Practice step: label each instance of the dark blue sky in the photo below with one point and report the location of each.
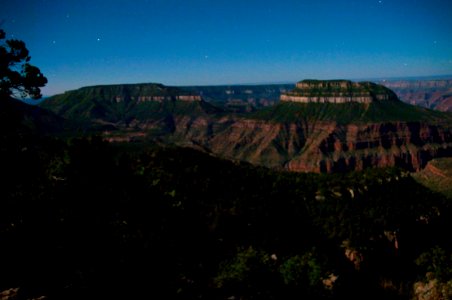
(187, 42)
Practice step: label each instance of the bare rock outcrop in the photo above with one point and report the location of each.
(337, 91)
(321, 147)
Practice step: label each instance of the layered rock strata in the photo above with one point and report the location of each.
(337, 91)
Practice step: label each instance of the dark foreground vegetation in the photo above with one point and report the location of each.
(82, 218)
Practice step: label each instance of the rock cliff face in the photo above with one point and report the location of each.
(337, 91)
(356, 147)
(304, 137)
(321, 147)
(163, 98)
(446, 83)
(138, 92)
(437, 175)
(434, 94)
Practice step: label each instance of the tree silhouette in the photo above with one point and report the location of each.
(17, 76)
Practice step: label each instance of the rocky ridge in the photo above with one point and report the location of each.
(321, 147)
(437, 175)
(337, 91)
(433, 94)
(100, 101)
(302, 137)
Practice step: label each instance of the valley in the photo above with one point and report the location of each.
(317, 198)
(344, 135)
(225, 150)
(433, 94)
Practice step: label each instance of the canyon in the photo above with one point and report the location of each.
(334, 136)
(433, 94)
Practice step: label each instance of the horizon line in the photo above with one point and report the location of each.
(283, 82)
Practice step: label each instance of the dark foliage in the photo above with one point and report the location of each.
(87, 219)
(17, 76)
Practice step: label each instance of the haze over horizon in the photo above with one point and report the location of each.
(200, 42)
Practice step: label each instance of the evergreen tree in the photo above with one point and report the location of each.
(17, 76)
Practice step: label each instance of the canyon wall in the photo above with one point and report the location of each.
(321, 147)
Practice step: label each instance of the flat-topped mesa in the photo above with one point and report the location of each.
(140, 93)
(338, 91)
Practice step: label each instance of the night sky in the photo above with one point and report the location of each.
(202, 42)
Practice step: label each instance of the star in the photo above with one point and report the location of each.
(98, 39)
